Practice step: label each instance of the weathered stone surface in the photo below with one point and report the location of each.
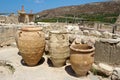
(7, 34)
(1, 34)
(78, 32)
(106, 34)
(13, 19)
(85, 39)
(102, 51)
(102, 68)
(111, 41)
(7, 42)
(86, 32)
(106, 67)
(95, 33)
(115, 74)
(115, 36)
(13, 44)
(107, 51)
(72, 37)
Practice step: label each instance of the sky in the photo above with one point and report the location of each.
(12, 6)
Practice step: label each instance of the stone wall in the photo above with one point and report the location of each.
(7, 34)
(107, 51)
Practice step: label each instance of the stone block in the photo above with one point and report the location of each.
(107, 51)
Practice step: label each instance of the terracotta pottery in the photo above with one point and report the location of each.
(81, 58)
(31, 44)
(59, 48)
(16, 38)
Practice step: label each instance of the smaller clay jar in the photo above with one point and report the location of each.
(81, 58)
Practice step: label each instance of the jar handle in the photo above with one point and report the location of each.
(20, 34)
(39, 34)
(77, 42)
(63, 37)
(92, 54)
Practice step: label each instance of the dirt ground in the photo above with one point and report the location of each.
(43, 71)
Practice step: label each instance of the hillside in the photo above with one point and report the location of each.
(104, 8)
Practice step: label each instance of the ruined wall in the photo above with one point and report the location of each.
(12, 19)
(7, 34)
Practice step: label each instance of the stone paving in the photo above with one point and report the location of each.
(43, 71)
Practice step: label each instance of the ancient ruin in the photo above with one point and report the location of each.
(106, 46)
(24, 17)
(21, 17)
(67, 51)
(10, 19)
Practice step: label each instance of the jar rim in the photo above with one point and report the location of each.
(31, 28)
(90, 49)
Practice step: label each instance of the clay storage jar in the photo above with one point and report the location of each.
(81, 58)
(16, 38)
(31, 44)
(59, 47)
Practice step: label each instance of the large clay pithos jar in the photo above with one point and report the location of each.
(31, 44)
(81, 58)
(58, 47)
(16, 38)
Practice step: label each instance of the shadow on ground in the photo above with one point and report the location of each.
(49, 62)
(70, 71)
(19, 53)
(39, 63)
